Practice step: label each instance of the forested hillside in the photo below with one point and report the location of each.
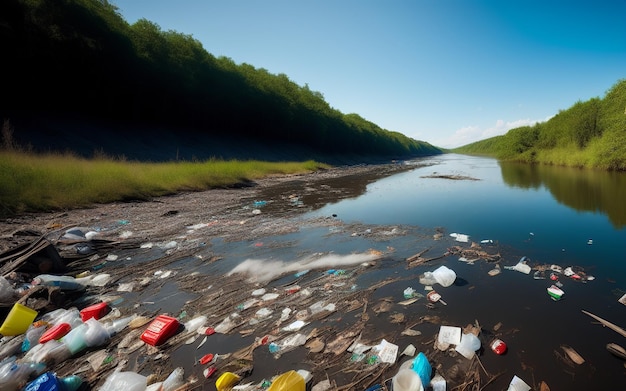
(588, 134)
(75, 73)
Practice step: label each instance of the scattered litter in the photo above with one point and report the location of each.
(521, 266)
(573, 355)
(590, 241)
(498, 346)
(411, 332)
(442, 275)
(518, 384)
(449, 335)
(434, 297)
(387, 352)
(555, 292)
(495, 271)
(616, 350)
(468, 346)
(460, 237)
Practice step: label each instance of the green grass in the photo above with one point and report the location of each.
(31, 182)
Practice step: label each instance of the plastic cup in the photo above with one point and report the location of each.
(18, 320)
(406, 380)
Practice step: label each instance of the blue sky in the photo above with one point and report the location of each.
(448, 72)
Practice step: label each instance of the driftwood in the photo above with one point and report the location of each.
(417, 259)
(608, 324)
(40, 255)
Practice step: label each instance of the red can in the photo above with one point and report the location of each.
(498, 346)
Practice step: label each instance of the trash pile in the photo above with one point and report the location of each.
(89, 313)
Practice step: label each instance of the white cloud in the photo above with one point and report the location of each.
(469, 134)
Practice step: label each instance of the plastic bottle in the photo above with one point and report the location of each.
(34, 332)
(50, 382)
(14, 375)
(174, 381)
(118, 325)
(64, 282)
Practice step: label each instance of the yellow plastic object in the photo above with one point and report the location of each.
(18, 320)
(226, 381)
(288, 381)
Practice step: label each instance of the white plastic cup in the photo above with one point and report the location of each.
(406, 380)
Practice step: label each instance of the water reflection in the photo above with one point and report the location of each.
(583, 190)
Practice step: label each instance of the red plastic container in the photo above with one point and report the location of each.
(94, 311)
(160, 330)
(207, 358)
(498, 346)
(56, 332)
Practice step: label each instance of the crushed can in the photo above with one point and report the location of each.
(498, 346)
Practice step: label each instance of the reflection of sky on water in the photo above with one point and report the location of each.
(488, 208)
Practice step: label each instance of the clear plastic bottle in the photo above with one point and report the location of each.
(14, 375)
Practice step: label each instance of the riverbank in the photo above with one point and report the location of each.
(330, 285)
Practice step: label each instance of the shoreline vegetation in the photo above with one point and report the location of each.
(54, 181)
(590, 134)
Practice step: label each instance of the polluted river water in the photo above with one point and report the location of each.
(354, 271)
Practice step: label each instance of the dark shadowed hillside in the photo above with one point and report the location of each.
(80, 78)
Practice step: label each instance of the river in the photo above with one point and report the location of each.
(552, 215)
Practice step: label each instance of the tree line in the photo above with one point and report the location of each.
(81, 59)
(589, 134)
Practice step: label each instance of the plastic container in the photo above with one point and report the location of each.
(406, 380)
(468, 346)
(75, 339)
(95, 334)
(226, 381)
(50, 382)
(66, 283)
(18, 320)
(160, 330)
(94, 311)
(55, 332)
(288, 381)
